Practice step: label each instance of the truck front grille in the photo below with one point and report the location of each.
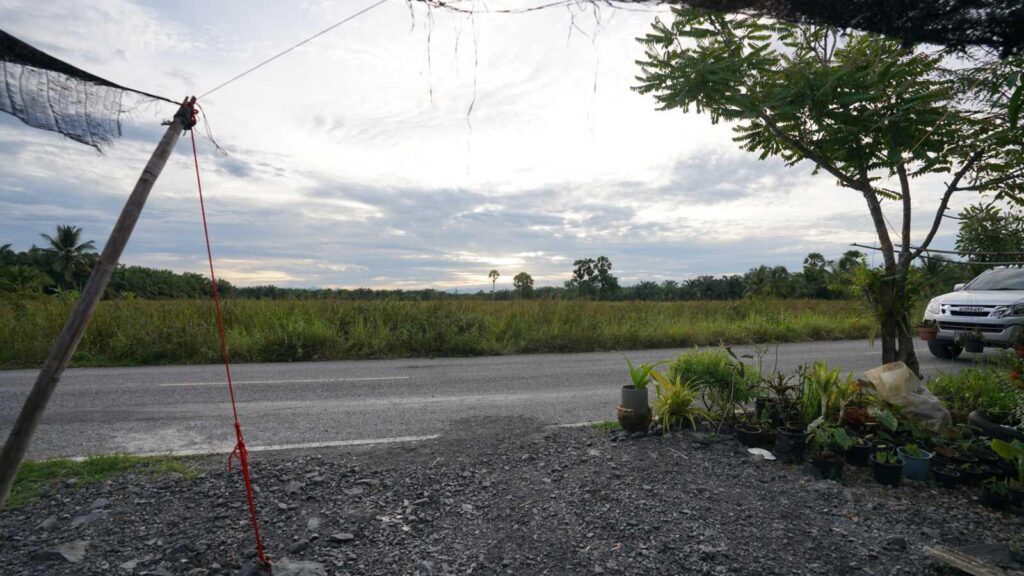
(967, 327)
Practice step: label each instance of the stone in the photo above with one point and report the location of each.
(342, 537)
(313, 524)
(99, 503)
(49, 523)
(72, 552)
(896, 543)
(286, 567)
(292, 487)
(299, 546)
(354, 491)
(130, 565)
(87, 519)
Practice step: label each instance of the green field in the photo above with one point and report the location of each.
(137, 332)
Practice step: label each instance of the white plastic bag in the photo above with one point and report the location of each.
(898, 385)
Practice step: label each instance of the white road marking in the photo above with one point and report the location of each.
(315, 381)
(211, 450)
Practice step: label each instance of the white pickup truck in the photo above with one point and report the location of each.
(988, 310)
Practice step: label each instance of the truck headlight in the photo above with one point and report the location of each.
(1008, 311)
(934, 307)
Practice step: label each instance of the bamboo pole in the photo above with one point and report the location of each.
(46, 382)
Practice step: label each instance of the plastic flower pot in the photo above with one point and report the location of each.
(887, 474)
(948, 477)
(915, 468)
(635, 400)
(633, 421)
(994, 500)
(858, 454)
(789, 444)
(748, 435)
(830, 467)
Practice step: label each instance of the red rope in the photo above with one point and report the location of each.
(239, 451)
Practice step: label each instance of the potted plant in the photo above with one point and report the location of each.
(948, 476)
(887, 468)
(749, 432)
(675, 402)
(971, 474)
(829, 443)
(972, 342)
(1012, 452)
(994, 494)
(915, 461)
(634, 413)
(928, 330)
(860, 450)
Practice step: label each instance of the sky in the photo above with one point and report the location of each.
(410, 149)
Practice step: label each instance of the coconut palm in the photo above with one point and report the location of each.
(69, 254)
(493, 275)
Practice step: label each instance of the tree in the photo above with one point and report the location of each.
(493, 275)
(607, 285)
(582, 277)
(989, 234)
(69, 255)
(865, 109)
(22, 280)
(523, 283)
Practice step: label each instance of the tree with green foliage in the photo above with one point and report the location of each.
(990, 234)
(869, 111)
(20, 279)
(70, 255)
(523, 284)
(493, 275)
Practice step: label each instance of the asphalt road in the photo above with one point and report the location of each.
(185, 409)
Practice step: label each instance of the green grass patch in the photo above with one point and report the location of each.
(33, 477)
(606, 425)
(147, 332)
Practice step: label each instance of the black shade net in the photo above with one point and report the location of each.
(48, 93)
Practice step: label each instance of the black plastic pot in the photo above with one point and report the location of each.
(858, 455)
(789, 444)
(989, 425)
(948, 477)
(748, 435)
(887, 474)
(994, 500)
(830, 467)
(973, 476)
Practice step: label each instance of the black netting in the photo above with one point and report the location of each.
(51, 94)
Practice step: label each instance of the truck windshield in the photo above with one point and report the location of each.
(1002, 279)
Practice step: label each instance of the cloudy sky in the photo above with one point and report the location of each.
(409, 149)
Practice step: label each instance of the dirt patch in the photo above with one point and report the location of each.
(505, 496)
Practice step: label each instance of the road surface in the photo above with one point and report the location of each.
(185, 409)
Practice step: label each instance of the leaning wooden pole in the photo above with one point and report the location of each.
(32, 411)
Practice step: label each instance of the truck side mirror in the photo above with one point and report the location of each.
(959, 287)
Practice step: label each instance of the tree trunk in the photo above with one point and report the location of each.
(896, 326)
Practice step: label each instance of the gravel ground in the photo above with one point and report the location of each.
(503, 496)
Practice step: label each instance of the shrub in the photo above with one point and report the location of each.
(723, 381)
(983, 388)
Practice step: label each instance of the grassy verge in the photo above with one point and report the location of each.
(33, 477)
(606, 425)
(142, 332)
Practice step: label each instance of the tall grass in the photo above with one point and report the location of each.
(137, 332)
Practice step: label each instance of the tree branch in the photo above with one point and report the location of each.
(901, 171)
(812, 155)
(950, 188)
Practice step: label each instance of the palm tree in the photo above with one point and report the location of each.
(21, 279)
(493, 275)
(69, 254)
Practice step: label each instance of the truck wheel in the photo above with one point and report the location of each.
(944, 350)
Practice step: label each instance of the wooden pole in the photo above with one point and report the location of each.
(32, 411)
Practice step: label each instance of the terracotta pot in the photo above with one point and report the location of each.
(632, 421)
(1019, 349)
(927, 332)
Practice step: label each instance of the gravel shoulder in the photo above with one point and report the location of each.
(504, 496)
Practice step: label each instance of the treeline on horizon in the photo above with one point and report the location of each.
(63, 266)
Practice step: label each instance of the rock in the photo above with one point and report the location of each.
(72, 552)
(292, 487)
(342, 537)
(896, 543)
(87, 519)
(426, 567)
(99, 503)
(285, 567)
(299, 546)
(130, 565)
(354, 491)
(48, 524)
(313, 524)
(254, 569)
(368, 482)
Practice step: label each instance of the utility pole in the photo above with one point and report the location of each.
(64, 348)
